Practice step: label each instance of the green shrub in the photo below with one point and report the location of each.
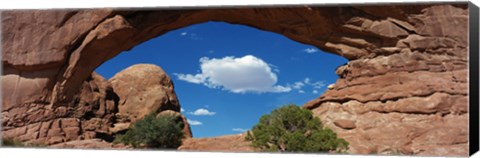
(293, 129)
(154, 132)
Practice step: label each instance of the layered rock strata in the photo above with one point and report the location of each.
(99, 111)
(405, 85)
(411, 100)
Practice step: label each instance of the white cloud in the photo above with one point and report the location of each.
(244, 74)
(202, 112)
(307, 80)
(239, 130)
(182, 110)
(274, 68)
(237, 75)
(318, 84)
(306, 83)
(194, 122)
(298, 85)
(190, 35)
(310, 50)
(197, 79)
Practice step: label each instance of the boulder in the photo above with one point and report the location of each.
(143, 89)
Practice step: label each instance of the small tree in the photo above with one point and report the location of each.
(163, 131)
(291, 128)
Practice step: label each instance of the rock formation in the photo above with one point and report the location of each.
(412, 100)
(405, 84)
(87, 116)
(98, 111)
(144, 89)
(226, 143)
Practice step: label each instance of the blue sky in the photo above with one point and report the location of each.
(227, 76)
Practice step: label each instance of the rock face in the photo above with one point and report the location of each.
(90, 144)
(405, 84)
(227, 143)
(143, 88)
(396, 132)
(98, 111)
(87, 116)
(413, 99)
(345, 124)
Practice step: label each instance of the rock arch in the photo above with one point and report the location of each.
(396, 53)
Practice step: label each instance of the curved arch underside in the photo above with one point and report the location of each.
(405, 83)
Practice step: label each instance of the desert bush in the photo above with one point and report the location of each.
(293, 129)
(163, 131)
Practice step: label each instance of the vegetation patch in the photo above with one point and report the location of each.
(163, 131)
(294, 129)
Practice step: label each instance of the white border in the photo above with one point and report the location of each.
(48, 4)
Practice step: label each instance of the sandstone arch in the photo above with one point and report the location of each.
(47, 55)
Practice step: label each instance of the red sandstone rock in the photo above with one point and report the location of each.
(227, 143)
(145, 89)
(345, 124)
(398, 132)
(142, 89)
(90, 144)
(394, 86)
(65, 26)
(89, 114)
(405, 84)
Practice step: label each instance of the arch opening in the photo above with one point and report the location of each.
(226, 75)
(126, 29)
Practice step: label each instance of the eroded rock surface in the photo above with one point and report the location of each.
(396, 132)
(90, 144)
(98, 111)
(87, 116)
(143, 88)
(411, 100)
(227, 143)
(405, 84)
